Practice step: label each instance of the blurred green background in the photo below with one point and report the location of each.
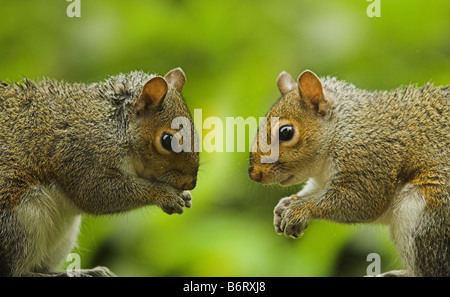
(232, 52)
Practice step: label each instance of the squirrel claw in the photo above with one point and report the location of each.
(175, 204)
(187, 197)
(289, 217)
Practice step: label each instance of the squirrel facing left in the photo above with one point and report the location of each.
(367, 156)
(71, 149)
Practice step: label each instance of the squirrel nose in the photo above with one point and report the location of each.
(255, 175)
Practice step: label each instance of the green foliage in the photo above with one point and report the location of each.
(231, 51)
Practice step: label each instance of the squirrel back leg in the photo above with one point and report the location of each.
(420, 227)
(431, 237)
(48, 224)
(37, 233)
(13, 184)
(11, 243)
(12, 235)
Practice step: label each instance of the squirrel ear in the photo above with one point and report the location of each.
(285, 82)
(311, 90)
(153, 94)
(176, 78)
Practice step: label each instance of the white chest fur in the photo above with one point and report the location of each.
(51, 223)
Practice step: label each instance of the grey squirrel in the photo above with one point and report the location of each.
(378, 156)
(69, 149)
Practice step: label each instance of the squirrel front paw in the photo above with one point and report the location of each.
(279, 209)
(291, 216)
(175, 203)
(187, 197)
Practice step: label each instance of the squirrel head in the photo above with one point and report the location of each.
(293, 130)
(164, 133)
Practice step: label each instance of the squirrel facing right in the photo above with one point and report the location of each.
(68, 149)
(370, 156)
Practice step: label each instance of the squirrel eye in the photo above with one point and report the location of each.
(286, 133)
(166, 141)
